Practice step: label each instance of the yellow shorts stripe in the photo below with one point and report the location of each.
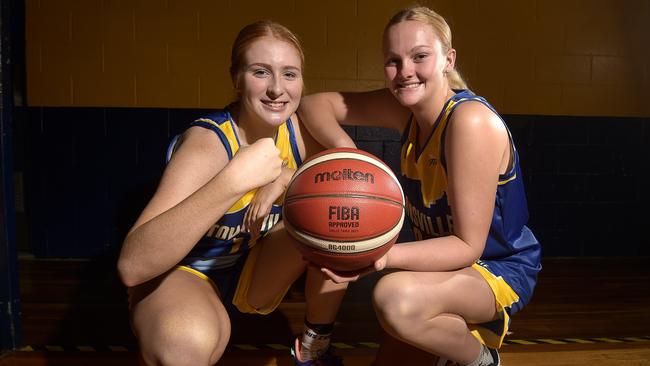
(199, 275)
(245, 280)
(194, 272)
(502, 182)
(504, 296)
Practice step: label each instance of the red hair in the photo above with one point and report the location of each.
(253, 31)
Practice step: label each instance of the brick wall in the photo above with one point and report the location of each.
(551, 57)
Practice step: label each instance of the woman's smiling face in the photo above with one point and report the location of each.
(270, 85)
(414, 63)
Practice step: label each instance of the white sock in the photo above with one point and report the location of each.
(484, 358)
(312, 344)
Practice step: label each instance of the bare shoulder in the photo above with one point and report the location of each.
(201, 139)
(473, 117)
(197, 157)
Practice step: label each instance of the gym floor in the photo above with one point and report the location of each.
(585, 311)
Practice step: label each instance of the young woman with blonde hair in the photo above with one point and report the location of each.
(473, 262)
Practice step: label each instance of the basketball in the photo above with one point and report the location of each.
(345, 208)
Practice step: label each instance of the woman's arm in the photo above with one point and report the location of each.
(262, 203)
(323, 113)
(477, 149)
(197, 187)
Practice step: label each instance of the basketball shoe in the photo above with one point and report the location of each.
(496, 361)
(327, 358)
(495, 357)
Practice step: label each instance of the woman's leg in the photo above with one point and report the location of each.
(323, 297)
(279, 264)
(179, 319)
(431, 310)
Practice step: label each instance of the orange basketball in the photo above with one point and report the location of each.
(345, 207)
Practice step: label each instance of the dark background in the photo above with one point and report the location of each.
(88, 172)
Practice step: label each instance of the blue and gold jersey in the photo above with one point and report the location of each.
(224, 242)
(511, 250)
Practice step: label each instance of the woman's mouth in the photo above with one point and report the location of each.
(409, 85)
(274, 105)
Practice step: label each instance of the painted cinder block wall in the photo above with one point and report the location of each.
(108, 82)
(533, 57)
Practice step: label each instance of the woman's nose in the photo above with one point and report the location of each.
(275, 88)
(406, 69)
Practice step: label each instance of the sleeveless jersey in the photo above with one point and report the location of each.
(511, 250)
(224, 242)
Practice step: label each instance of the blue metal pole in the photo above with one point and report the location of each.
(10, 332)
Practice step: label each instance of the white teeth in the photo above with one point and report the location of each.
(274, 104)
(410, 86)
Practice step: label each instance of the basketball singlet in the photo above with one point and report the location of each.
(224, 242)
(512, 253)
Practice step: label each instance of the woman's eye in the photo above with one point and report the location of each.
(390, 62)
(261, 73)
(290, 75)
(420, 56)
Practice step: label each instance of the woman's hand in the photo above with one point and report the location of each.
(260, 207)
(351, 276)
(256, 165)
(264, 198)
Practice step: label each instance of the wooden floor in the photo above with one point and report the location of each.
(585, 311)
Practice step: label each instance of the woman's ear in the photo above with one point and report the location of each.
(450, 61)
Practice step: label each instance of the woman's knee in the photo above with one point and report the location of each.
(394, 299)
(193, 343)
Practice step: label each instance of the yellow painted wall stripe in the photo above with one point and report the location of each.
(577, 340)
(369, 344)
(609, 340)
(635, 339)
(246, 347)
(277, 346)
(520, 341)
(551, 341)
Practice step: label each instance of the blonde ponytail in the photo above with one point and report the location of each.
(455, 80)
